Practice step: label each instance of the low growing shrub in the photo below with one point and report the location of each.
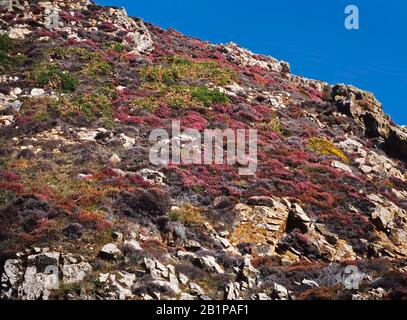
(175, 68)
(45, 74)
(325, 147)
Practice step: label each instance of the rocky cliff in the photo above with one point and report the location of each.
(85, 215)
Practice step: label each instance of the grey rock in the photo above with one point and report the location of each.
(74, 273)
(110, 251)
(280, 292)
(298, 219)
(131, 246)
(232, 291)
(310, 283)
(263, 296)
(209, 263)
(37, 92)
(341, 166)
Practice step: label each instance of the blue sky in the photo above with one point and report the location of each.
(308, 34)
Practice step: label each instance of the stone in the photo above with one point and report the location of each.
(280, 292)
(41, 276)
(196, 289)
(119, 172)
(87, 135)
(6, 120)
(184, 255)
(341, 166)
(186, 297)
(103, 277)
(12, 275)
(260, 225)
(171, 286)
(225, 242)
(248, 271)
(126, 279)
(132, 246)
(183, 278)
(37, 92)
(329, 236)
(85, 177)
(74, 273)
(110, 251)
(298, 219)
(384, 212)
(310, 283)
(149, 263)
(128, 141)
(18, 33)
(232, 291)
(244, 57)
(115, 159)
(152, 176)
(366, 169)
(117, 236)
(17, 91)
(344, 251)
(263, 296)
(139, 38)
(367, 111)
(209, 263)
(173, 279)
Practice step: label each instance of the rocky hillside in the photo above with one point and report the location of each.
(85, 215)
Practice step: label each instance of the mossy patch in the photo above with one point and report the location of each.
(46, 74)
(97, 68)
(5, 43)
(325, 147)
(174, 69)
(97, 104)
(180, 97)
(8, 60)
(63, 53)
(115, 46)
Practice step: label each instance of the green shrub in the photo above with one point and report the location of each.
(175, 68)
(179, 96)
(208, 96)
(63, 53)
(49, 75)
(149, 103)
(94, 106)
(115, 46)
(7, 60)
(5, 43)
(97, 68)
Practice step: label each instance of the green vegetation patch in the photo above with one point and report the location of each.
(174, 69)
(64, 53)
(97, 68)
(50, 75)
(8, 61)
(179, 97)
(115, 46)
(325, 147)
